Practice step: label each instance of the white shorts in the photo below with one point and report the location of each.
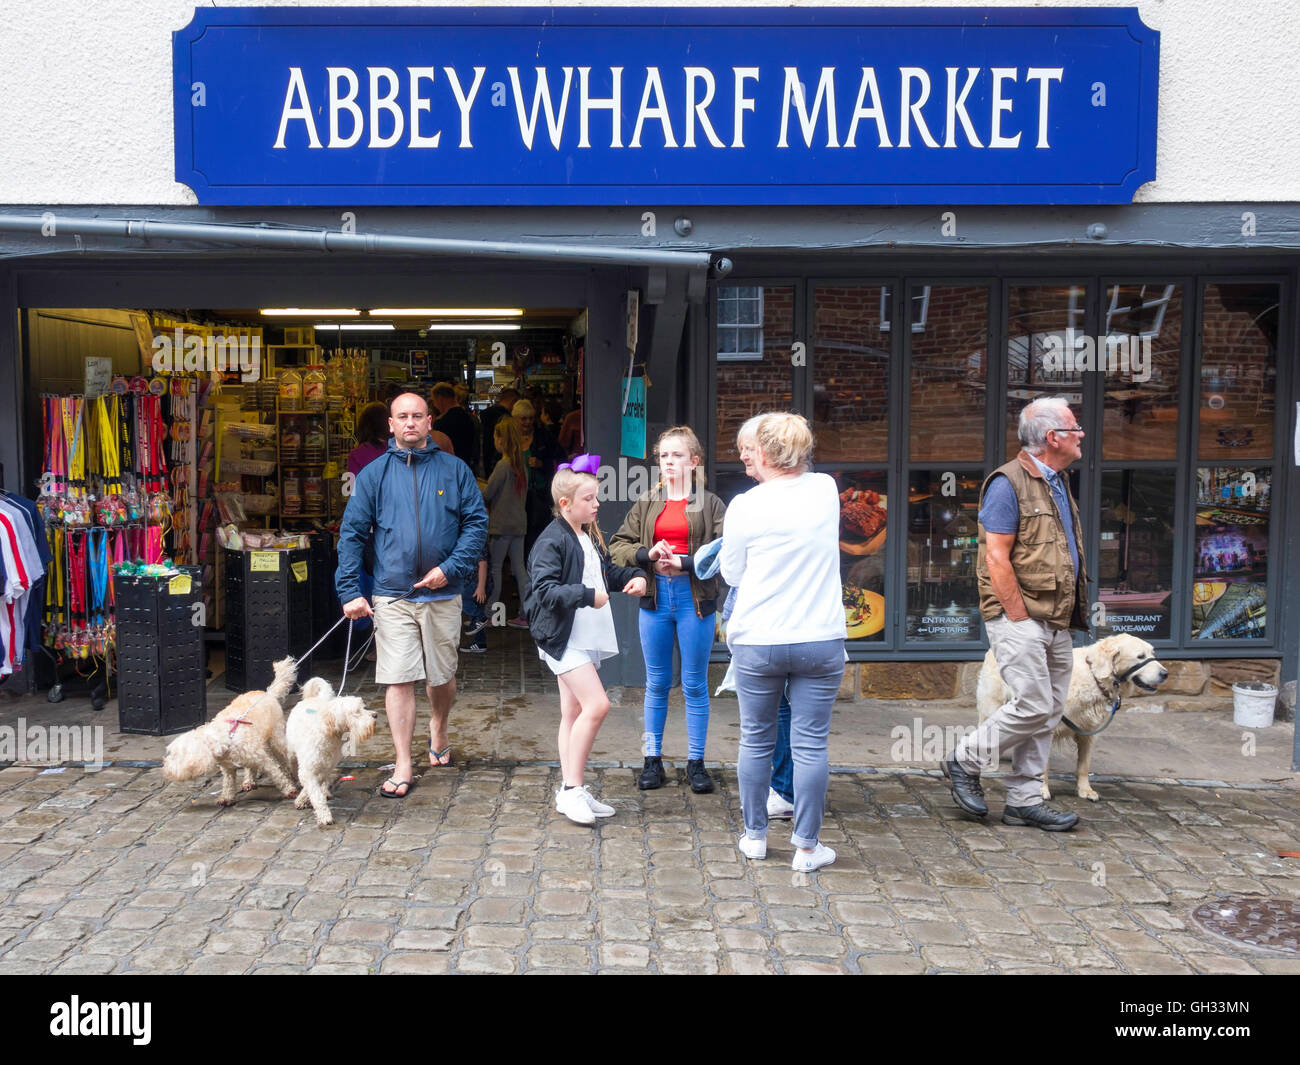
(572, 658)
(416, 641)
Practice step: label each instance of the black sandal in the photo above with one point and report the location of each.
(394, 794)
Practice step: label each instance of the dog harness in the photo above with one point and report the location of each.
(1114, 706)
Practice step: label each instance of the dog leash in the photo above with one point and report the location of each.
(1114, 707)
(348, 651)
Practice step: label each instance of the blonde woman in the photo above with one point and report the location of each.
(780, 551)
(661, 534)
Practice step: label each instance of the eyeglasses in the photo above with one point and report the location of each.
(1071, 429)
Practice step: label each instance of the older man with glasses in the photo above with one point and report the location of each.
(1033, 591)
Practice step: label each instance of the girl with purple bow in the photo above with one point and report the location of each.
(568, 615)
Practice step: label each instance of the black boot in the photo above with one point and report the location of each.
(1041, 816)
(652, 774)
(967, 792)
(698, 777)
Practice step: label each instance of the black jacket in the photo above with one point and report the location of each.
(555, 588)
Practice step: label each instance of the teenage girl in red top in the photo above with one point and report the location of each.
(661, 533)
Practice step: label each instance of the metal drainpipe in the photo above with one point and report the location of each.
(369, 243)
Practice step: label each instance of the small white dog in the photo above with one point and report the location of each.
(248, 734)
(317, 729)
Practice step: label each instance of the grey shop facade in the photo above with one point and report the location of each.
(908, 327)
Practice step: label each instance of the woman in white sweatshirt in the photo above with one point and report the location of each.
(780, 550)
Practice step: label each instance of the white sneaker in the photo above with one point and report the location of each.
(572, 802)
(807, 863)
(598, 808)
(777, 807)
(753, 848)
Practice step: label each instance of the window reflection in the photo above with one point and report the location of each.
(1141, 357)
(1238, 371)
(942, 546)
(1229, 597)
(949, 359)
(752, 362)
(851, 373)
(1043, 323)
(1136, 552)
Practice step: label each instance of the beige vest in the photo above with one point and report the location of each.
(1040, 555)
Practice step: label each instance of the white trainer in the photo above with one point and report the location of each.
(572, 802)
(753, 848)
(598, 808)
(807, 863)
(777, 807)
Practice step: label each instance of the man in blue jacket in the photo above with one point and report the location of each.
(422, 512)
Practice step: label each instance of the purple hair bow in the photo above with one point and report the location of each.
(582, 464)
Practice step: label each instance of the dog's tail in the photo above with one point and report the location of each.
(286, 672)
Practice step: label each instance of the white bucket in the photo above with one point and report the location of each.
(1252, 705)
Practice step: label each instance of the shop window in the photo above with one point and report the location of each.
(754, 369)
(942, 549)
(1140, 361)
(949, 362)
(1136, 553)
(1043, 324)
(1239, 326)
(850, 373)
(1229, 596)
(863, 509)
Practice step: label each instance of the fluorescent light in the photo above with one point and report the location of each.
(357, 327)
(473, 327)
(447, 312)
(310, 312)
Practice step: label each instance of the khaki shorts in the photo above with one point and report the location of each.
(416, 641)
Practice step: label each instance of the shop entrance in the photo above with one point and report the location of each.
(185, 438)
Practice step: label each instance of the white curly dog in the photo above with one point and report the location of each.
(248, 734)
(317, 729)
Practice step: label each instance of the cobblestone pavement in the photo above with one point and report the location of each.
(117, 871)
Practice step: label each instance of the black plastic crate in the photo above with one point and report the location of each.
(160, 655)
(324, 603)
(268, 614)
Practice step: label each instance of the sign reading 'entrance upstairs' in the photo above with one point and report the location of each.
(638, 106)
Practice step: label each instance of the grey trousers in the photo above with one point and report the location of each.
(1035, 662)
(813, 672)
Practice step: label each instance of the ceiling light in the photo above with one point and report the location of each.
(447, 312)
(473, 327)
(310, 312)
(357, 327)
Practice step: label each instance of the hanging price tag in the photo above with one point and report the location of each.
(179, 585)
(299, 571)
(265, 562)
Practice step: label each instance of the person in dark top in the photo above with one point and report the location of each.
(455, 421)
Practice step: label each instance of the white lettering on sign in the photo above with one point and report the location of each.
(376, 108)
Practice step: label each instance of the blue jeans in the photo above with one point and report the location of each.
(811, 672)
(782, 762)
(673, 622)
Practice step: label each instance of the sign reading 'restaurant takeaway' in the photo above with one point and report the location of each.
(607, 106)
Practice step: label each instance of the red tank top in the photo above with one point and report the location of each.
(671, 526)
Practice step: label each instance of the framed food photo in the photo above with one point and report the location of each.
(863, 515)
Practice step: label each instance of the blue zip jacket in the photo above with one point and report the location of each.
(418, 509)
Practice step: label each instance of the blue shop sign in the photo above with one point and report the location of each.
(604, 106)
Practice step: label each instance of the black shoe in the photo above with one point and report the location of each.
(1041, 816)
(652, 774)
(697, 776)
(967, 792)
